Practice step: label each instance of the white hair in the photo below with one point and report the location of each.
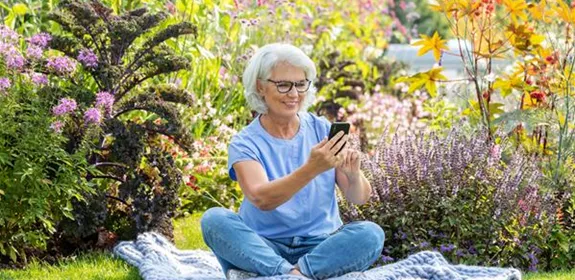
(260, 67)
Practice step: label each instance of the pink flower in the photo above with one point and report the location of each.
(57, 126)
(34, 52)
(39, 79)
(92, 115)
(13, 58)
(171, 7)
(4, 84)
(105, 100)
(88, 58)
(65, 106)
(61, 65)
(8, 35)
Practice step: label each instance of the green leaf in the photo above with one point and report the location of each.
(495, 108)
(530, 119)
(10, 19)
(12, 253)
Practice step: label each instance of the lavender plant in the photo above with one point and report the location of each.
(456, 194)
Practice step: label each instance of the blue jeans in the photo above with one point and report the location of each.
(353, 247)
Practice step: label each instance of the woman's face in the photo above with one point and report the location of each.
(283, 104)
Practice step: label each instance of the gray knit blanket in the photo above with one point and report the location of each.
(157, 258)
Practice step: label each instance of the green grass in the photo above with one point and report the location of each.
(95, 266)
(562, 275)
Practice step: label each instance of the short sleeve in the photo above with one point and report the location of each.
(322, 126)
(239, 150)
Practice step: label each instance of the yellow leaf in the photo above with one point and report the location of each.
(20, 9)
(528, 102)
(516, 8)
(536, 39)
(433, 43)
(427, 79)
(564, 12)
(538, 10)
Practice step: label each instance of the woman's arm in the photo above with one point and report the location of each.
(350, 179)
(268, 195)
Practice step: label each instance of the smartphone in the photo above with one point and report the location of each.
(337, 127)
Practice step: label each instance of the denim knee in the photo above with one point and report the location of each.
(213, 218)
(374, 234)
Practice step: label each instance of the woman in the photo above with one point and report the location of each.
(289, 221)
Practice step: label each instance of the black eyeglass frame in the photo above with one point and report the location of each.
(292, 85)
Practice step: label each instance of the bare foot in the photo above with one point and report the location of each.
(296, 271)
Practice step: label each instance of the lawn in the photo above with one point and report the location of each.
(97, 266)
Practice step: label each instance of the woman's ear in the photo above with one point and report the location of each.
(260, 88)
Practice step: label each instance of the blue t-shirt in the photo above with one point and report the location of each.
(313, 210)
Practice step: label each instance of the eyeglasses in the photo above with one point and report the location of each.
(286, 86)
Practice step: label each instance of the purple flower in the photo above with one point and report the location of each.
(386, 259)
(8, 35)
(34, 52)
(39, 79)
(400, 235)
(41, 40)
(13, 58)
(66, 105)
(92, 115)
(472, 250)
(459, 253)
(88, 58)
(61, 64)
(57, 126)
(105, 100)
(4, 84)
(533, 261)
(424, 244)
(446, 248)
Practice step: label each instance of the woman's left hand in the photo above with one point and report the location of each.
(350, 163)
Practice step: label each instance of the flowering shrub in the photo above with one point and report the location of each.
(93, 77)
(38, 177)
(123, 116)
(453, 194)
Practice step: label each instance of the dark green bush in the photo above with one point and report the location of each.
(127, 114)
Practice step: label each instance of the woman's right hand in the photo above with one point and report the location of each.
(323, 156)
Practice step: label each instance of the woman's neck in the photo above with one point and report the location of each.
(280, 127)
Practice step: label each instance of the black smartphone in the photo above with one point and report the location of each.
(337, 127)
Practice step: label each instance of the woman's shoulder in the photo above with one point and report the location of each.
(315, 121)
(246, 133)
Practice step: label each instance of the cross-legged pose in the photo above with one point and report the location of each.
(289, 221)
